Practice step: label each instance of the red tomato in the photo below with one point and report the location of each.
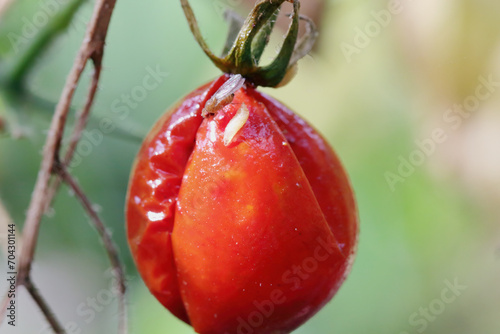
(250, 236)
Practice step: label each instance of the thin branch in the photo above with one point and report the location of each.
(80, 125)
(44, 307)
(32, 290)
(5, 221)
(81, 122)
(92, 47)
(105, 236)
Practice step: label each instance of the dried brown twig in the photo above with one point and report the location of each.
(42, 304)
(92, 48)
(106, 238)
(5, 221)
(75, 136)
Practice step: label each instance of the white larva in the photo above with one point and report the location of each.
(235, 124)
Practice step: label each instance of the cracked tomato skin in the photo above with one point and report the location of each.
(252, 237)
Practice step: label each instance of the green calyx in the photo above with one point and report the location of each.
(247, 40)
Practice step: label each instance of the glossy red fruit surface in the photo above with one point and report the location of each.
(251, 236)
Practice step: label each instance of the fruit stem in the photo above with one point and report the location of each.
(243, 56)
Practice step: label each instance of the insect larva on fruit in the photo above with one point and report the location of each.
(235, 124)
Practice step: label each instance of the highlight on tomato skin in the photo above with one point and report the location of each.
(255, 234)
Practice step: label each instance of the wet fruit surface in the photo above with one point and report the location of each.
(252, 233)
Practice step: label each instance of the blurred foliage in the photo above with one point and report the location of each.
(436, 226)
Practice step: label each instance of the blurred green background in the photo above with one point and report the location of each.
(383, 78)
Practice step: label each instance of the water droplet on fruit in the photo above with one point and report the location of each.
(155, 216)
(154, 183)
